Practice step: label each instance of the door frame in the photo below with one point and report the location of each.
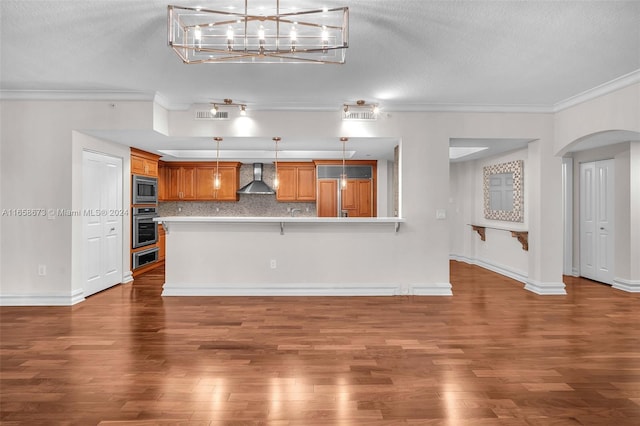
(81, 142)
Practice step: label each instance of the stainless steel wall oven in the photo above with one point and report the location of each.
(145, 230)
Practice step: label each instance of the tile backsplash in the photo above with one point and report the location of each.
(249, 205)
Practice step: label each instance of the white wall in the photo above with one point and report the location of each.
(500, 251)
(38, 162)
(619, 110)
(634, 214)
(616, 111)
(424, 168)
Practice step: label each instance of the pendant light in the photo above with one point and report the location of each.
(217, 182)
(343, 175)
(276, 177)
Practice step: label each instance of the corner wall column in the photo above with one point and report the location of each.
(545, 220)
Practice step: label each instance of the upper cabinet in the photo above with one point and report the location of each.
(180, 182)
(229, 182)
(195, 181)
(297, 182)
(144, 163)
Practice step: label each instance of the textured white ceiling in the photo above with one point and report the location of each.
(406, 55)
(403, 54)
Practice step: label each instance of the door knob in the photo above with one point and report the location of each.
(602, 229)
(112, 229)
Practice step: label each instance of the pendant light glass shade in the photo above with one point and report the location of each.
(276, 177)
(217, 181)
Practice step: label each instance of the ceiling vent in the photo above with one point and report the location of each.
(359, 115)
(206, 115)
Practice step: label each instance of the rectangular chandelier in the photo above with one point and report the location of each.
(263, 35)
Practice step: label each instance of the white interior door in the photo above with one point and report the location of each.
(597, 220)
(102, 221)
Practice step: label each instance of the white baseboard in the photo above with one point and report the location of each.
(76, 296)
(435, 289)
(289, 289)
(545, 288)
(127, 277)
(461, 258)
(575, 272)
(315, 289)
(630, 286)
(491, 266)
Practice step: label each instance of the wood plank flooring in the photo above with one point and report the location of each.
(493, 354)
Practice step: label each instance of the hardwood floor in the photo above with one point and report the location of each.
(493, 354)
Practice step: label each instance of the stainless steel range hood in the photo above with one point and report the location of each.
(257, 186)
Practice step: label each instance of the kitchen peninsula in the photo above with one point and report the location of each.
(262, 256)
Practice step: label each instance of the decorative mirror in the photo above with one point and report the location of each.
(503, 191)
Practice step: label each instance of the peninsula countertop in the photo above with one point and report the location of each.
(282, 220)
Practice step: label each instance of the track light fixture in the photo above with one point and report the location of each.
(215, 106)
(360, 110)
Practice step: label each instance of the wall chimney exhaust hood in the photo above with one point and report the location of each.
(257, 186)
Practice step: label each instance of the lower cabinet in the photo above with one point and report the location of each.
(161, 243)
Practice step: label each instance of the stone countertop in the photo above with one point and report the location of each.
(168, 220)
(287, 219)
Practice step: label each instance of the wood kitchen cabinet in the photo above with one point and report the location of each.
(195, 181)
(162, 181)
(180, 183)
(297, 182)
(229, 182)
(161, 243)
(357, 198)
(327, 203)
(144, 163)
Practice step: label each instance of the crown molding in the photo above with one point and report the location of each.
(160, 99)
(603, 89)
(75, 95)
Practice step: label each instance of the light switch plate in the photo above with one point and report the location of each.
(441, 214)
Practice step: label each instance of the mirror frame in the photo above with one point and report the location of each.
(517, 213)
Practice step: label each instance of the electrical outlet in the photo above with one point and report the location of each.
(42, 270)
(273, 264)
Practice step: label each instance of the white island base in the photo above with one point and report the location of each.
(301, 256)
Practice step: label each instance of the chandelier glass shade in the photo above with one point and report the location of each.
(259, 35)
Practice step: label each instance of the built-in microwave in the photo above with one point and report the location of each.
(144, 190)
